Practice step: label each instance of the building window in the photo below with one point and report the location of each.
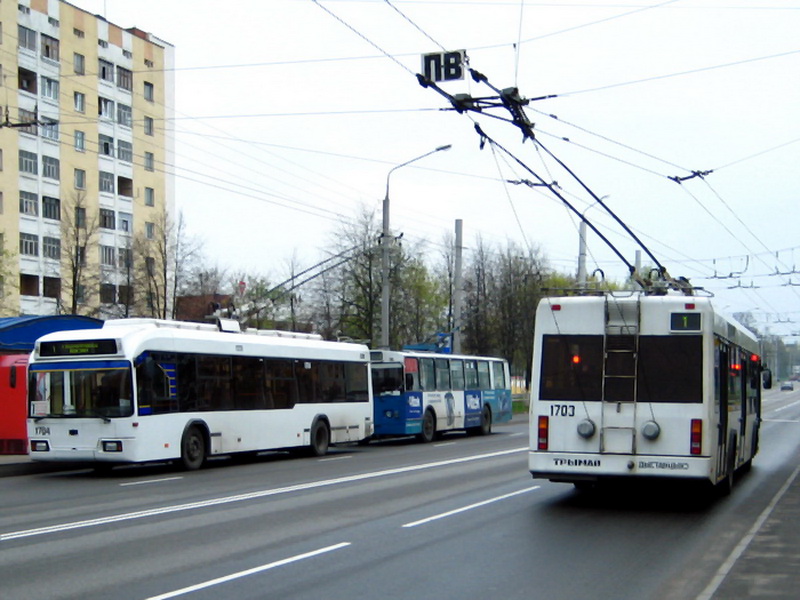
(106, 145)
(80, 141)
(125, 258)
(49, 47)
(105, 108)
(53, 21)
(125, 222)
(26, 80)
(29, 244)
(78, 33)
(51, 208)
(28, 285)
(51, 167)
(52, 287)
(108, 256)
(79, 63)
(150, 265)
(27, 116)
(108, 293)
(51, 248)
(80, 217)
(125, 151)
(49, 88)
(125, 186)
(149, 161)
(148, 63)
(28, 162)
(150, 230)
(28, 204)
(127, 54)
(125, 295)
(107, 220)
(105, 70)
(106, 182)
(26, 38)
(149, 196)
(80, 255)
(148, 91)
(102, 43)
(80, 102)
(124, 115)
(124, 79)
(49, 129)
(148, 126)
(80, 179)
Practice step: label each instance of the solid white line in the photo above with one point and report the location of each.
(335, 458)
(737, 552)
(250, 496)
(129, 483)
(795, 403)
(450, 513)
(248, 572)
(443, 444)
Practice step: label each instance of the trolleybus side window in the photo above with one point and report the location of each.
(499, 376)
(248, 383)
(412, 374)
(660, 358)
(484, 379)
(457, 374)
(572, 367)
(281, 386)
(442, 374)
(427, 375)
(735, 379)
(356, 382)
(471, 374)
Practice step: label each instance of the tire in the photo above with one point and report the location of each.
(428, 428)
(725, 486)
(486, 421)
(320, 438)
(193, 449)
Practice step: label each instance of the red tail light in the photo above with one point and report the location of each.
(542, 434)
(696, 439)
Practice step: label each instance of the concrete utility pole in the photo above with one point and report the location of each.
(458, 293)
(386, 242)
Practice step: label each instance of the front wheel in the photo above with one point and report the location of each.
(320, 439)
(193, 449)
(428, 428)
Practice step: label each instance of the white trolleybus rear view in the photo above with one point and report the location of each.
(141, 390)
(632, 385)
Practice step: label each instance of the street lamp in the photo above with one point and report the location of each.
(385, 241)
(582, 246)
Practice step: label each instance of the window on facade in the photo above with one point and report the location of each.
(28, 162)
(106, 145)
(124, 151)
(107, 220)
(149, 94)
(80, 141)
(124, 79)
(49, 47)
(105, 108)
(28, 204)
(78, 32)
(26, 80)
(51, 208)
(106, 182)
(79, 63)
(148, 126)
(49, 88)
(150, 231)
(51, 248)
(80, 102)
(26, 38)
(28, 244)
(27, 116)
(149, 161)
(28, 285)
(80, 179)
(102, 43)
(150, 265)
(124, 115)
(125, 295)
(105, 70)
(51, 167)
(125, 222)
(125, 258)
(80, 216)
(125, 186)
(149, 196)
(52, 287)
(49, 129)
(108, 293)
(108, 256)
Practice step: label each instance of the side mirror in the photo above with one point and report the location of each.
(766, 378)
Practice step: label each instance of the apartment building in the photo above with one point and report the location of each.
(86, 155)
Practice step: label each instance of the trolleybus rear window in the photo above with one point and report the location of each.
(572, 367)
(670, 368)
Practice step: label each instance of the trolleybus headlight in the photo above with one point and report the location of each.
(112, 446)
(651, 430)
(40, 446)
(586, 428)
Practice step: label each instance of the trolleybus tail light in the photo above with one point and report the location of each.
(542, 433)
(112, 446)
(696, 440)
(555, 307)
(40, 446)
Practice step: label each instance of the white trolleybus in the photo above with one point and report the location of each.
(141, 390)
(424, 394)
(633, 385)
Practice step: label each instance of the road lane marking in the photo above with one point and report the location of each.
(456, 511)
(153, 512)
(737, 552)
(331, 458)
(795, 403)
(248, 572)
(145, 482)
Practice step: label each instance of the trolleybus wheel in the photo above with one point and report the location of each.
(486, 421)
(320, 438)
(193, 449)
(428, 427)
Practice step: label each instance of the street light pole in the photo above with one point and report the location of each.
(386, 238)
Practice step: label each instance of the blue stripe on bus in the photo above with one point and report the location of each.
(83, 365)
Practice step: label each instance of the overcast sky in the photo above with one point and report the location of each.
(290, 114)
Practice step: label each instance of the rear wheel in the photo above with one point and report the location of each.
(486, 421)
(428, 428)
(193, 449)
(320, 439)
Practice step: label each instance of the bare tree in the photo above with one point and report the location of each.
(79, 232)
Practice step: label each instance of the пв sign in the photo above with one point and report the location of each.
(444, 66)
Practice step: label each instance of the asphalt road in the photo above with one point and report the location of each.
(460, 518)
